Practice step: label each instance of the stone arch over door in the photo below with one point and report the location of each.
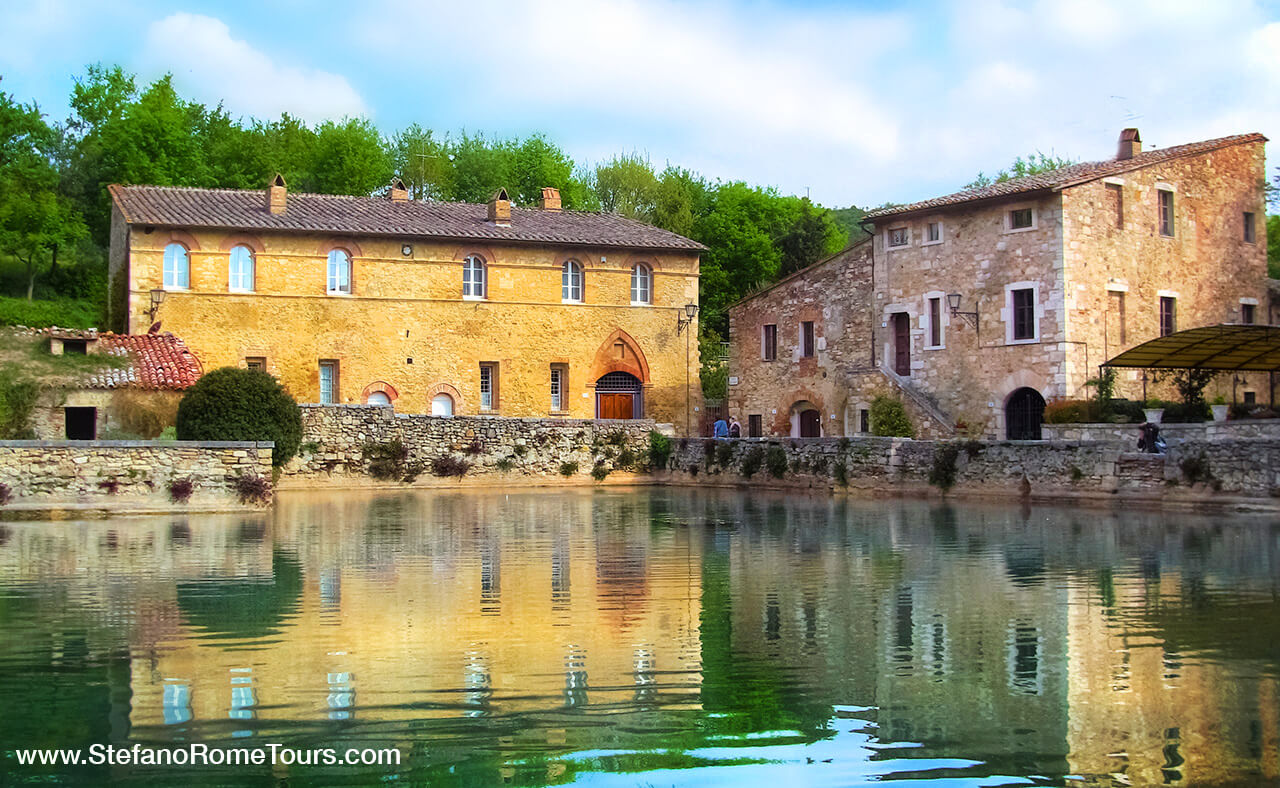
(805, 419)
(1024, 413)
(379, 387)
(620, 353)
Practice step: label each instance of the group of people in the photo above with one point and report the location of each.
(726, 429)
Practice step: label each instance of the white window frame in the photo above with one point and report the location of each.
(447, 397)
(1008, 219)
(557, 390)
(641, 274)
(486, 388)
(170, 268)
(1006, 313)
(1167, 188)
(888, 237)
(332, 397)
(1253, 302)
(944, 320)
(570, 290)
(475, 278)
(232, 275)
(942, 232)
(335, 266)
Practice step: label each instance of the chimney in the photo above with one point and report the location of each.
(276, 194)
(500, 208)
(550, 199)
(398, 191)
(1130, 144)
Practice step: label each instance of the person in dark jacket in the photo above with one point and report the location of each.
(735, 428)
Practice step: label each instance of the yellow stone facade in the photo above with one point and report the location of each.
(406, 330)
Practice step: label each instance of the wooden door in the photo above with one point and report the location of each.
(901, 343)
(810, 424)
(615, 406)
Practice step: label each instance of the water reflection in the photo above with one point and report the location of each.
(696, 637)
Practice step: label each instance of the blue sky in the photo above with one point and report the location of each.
(857, 103)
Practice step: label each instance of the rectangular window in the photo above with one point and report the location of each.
(864, 420)
(1120, 321)
(329, 383)
(755, 425)
(1168, 315)
(806, 339)
(935, 322)
(557, 389)
(256, 364)
(1248, 314)
(488, 387)
(1250, 234)
(1115, 196)
(1166, 212)
(1024, 314)
(1251, 398)
(933, 232)
(1021, 219)
(769, 342)
(898, 236)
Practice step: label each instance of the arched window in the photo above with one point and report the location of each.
(241, 270)
(339, 272)
(571, 281)
(473, 284)
(641, 284)
(442, 405)
(378, 398)
(177, 267)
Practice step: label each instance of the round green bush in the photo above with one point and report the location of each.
(231, 404)
(889, 418)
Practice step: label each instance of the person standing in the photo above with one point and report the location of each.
(720, 429)
(735, 429)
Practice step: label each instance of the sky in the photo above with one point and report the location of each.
(851, 103)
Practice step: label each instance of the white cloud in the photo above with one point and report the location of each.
(210, 65)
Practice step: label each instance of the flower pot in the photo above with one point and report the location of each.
(1220, 412)
(1154, 415)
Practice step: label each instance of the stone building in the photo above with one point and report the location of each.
(431, 307)
(981, 305)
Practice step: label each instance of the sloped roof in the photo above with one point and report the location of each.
(1223, 347)
(157, 362)
(1067, 176)
(232, 209)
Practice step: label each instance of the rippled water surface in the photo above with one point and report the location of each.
(651, 638)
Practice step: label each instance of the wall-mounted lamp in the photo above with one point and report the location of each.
(683, 322)
(953, 301)
(157, 298)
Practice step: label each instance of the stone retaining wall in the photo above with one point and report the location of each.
(126, 475)
(337, 441)
(1126, 435)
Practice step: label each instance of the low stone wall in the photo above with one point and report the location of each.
(1191, 471)
(1127, 434)
(126, 475)
(341, 443)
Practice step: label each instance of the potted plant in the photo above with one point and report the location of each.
(1153, 411)
(1220, 408)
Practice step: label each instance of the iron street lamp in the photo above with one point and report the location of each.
(157, 298)
(682, 323)
(953, 301)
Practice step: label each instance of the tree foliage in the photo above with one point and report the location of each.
(1021, 167)
(1273, 247)
(231, 404)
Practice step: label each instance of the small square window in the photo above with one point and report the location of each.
(1248, 314)
(1251, 398)
(1021, 219)
(933, 232)
(255, 364)
(899, 236)
(1250, 235)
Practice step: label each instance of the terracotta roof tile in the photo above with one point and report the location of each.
(171, 206)
(1067, 176)
(156, 361)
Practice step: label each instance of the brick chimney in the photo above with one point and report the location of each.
(398, 191)
(1130, 145)
(500, 208)
(550, 199)
(276, 193)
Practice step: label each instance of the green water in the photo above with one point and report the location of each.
(649, 638)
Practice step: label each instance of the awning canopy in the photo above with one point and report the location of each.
(1227, 347)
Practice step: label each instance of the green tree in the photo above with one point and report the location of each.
(682, 196)
(739, 230)
(626, 185)
(537, 163)
(813, 235)
(231, 404)
(349, 157)
(480, 168)
(1273, 247)
(1034, 164)
(424, 163)
(851, 220)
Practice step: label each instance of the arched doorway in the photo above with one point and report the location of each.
(806, 420)
(442, 405)
(1023, 415)
(618, 396)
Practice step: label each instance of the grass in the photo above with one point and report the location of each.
(31, 354)
(64, 313)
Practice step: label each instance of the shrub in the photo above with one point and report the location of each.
(17, 401)
(6, 494)
(505, 464)
(112, 486)
(390, 461)
(1076, 474)
(41, 314)
(841, 473)
(889, 418)
(568, 467)
(627, 459)
(599, 472)
(751, 461)
(973, 448)
(1072, 411)
(659, 449)
(724, 454)
(617, 437)
(476, 446)
(708, 453)
(818, 465)
(943, 473)
(520, 449)
(180, 489)
(448, 465)
(144, 413)
(843, 444)
(231, 404)
(310, 447)
(1196, 469)
(170, 434)
(252, 488)
(775, 459)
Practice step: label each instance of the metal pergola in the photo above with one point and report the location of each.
(1228, 347)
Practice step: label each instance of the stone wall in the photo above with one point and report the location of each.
(339, 444)
(127, 475)
(1127, 434)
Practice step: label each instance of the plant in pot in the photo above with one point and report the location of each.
(1153, 411)
(1220, 408)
